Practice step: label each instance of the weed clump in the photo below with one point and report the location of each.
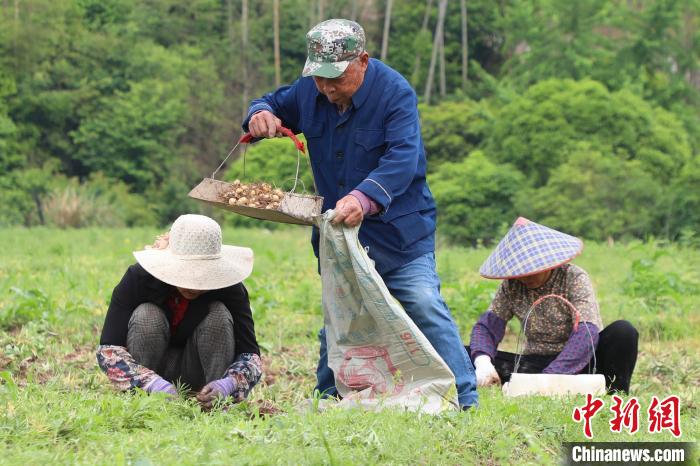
(652, 286)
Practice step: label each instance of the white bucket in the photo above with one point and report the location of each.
(554, 384)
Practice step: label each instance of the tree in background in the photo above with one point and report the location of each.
(465, 43)
(387, 27)
(683, 204)
(276, 35)
(539, 130)
(596, 196)
(452, 129)
(10, 158)
(662, 49)
(437, 38)
(148, 96)
(475, 198)
(421, 38)
(650, 47)
(556, 38)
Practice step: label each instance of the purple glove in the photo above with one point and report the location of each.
(160, 385)
(215, 389)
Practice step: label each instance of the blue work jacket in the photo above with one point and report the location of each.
(375, 147)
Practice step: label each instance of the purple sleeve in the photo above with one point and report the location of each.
(369, 206)
(487, 334)
(577, 352)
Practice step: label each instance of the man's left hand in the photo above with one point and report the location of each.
(349, 211)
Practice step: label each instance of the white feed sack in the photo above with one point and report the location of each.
(378, 355)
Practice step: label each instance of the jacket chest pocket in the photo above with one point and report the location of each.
(369, 147)
(313, 132)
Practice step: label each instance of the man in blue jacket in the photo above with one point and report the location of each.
(361, 123)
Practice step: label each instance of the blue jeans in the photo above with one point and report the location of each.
(417, 287)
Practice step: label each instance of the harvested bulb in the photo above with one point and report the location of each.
(254, 195)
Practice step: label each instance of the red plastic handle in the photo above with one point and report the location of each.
(247, 138)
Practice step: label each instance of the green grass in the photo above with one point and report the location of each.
(56, 406)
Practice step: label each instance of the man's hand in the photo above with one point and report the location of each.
(349, 211)
(485, 372)
(264, 125)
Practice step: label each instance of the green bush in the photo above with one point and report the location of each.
(452, 130)
(143, 123)
(23, 193)
(17, 206)
(127, 208)
(468, 300)
(9, 156)
(40, 196)
(97, 202)
(169, 200)
(273, 161)
(539, 130)
(74, 206)
(654, 288)
(475, 198)
(595, 196)
(684, 202)
(25, 306)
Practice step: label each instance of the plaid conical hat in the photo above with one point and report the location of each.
(529, 248)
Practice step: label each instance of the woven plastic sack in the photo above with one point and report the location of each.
(378, 355)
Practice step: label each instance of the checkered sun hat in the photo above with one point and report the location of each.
(529, 248)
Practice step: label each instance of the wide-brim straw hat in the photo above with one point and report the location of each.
(529, 248)
(194, 257)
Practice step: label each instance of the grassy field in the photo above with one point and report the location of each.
(57, 407)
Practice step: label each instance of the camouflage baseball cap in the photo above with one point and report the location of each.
(331, 46)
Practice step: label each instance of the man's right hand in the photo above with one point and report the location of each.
(264, 124)
(485, 372)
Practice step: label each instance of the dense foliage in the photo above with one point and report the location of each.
(540, 129)
(475, 197)
(583, 115)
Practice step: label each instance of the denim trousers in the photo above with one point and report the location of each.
(417, 287)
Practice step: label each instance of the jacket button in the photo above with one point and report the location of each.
(339, 155)
(341, 184)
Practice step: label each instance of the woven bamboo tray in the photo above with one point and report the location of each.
(295, 208)
(299, 209)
